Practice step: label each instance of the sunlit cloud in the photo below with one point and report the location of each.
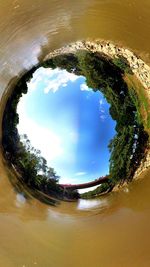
(32, 85)
(64, 85)
(102, 105)
(53, 79)
(101, 102)
(59, 78)
(84, 87)
(103, 117)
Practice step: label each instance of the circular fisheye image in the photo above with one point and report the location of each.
(73, 126)
(74, 133)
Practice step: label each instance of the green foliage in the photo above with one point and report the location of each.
(49, 64)
(123, 64)
(68, 62)
(103, 188)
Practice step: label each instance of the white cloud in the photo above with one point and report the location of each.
(103, 117)
(84, 87)
(58, 78)
(102, 110)
(101, 102)
(102, 105)
(32, 85)
(80, 173)
(52, 78)
(64, 85)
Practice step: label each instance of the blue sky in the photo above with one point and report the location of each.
(69, 123)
